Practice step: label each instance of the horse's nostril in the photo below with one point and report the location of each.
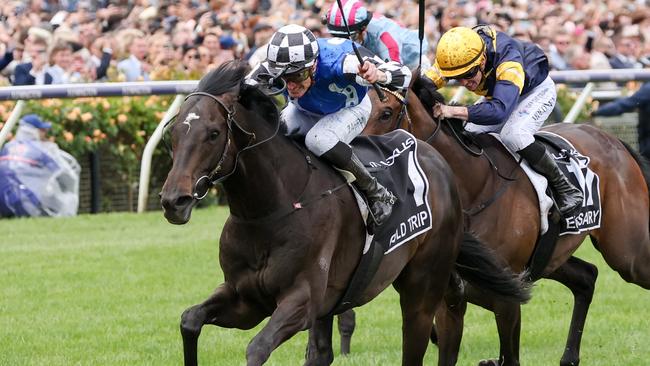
(184, 201)
(175, 204)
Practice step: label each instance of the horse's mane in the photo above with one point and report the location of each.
(427, 92)
(228, 77)
(225, 78)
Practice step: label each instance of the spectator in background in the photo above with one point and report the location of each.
(639, 100)
(626, 43)
(60, 63)
(34, 72)
(136, 67)
(557, 50)
(602, 48)
(36, 177)
(262, 33)
(192, 62)
(8, 55)
(577, 58)
(205, 57)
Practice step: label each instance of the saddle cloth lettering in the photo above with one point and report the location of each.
(392, 159)
(575, 167)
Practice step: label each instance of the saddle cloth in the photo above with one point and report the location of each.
(575, 167)
(392, 159)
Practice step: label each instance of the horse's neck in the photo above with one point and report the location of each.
(268, 177)
(466, 167)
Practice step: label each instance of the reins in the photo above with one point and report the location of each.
(477, 153)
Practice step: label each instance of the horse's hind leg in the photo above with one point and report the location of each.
(627, 252)
(319, 347)
(347, 323)
(225, 309)
(449, 322)
(580, 277)
(421, 293)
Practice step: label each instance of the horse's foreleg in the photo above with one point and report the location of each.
(449, 322)
(319, 347)
(580, 277)
(225, 309)
(291, 316)
(347, 323)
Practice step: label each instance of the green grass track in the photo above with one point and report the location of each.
(109, 289)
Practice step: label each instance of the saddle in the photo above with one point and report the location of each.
(392, 159)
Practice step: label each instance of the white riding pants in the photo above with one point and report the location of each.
(526, 119)
(323, 132)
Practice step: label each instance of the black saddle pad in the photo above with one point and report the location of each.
(392, 159)
(575, 167)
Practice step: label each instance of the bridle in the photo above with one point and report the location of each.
(211, 177)
(403, 110)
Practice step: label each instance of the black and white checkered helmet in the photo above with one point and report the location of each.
(291, 49)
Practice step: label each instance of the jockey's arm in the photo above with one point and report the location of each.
(253, 77)
(391, 74)
(503, 99)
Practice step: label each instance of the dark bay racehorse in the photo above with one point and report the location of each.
(284, 260)
(503, 211)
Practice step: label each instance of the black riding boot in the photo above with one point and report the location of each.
(569, 198)
(381, 201)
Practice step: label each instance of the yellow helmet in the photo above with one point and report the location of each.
(459, 50)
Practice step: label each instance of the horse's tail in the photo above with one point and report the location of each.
(480, 266)
(643, 163)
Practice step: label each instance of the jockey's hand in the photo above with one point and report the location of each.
(441, 111)
(370, 73)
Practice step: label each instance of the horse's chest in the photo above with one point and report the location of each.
(259, 269)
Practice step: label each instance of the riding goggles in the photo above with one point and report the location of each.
(298, 76)
(469, 74)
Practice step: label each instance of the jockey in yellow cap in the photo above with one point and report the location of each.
(519, 95)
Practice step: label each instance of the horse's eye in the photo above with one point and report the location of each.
(214, 135)
(386, 115)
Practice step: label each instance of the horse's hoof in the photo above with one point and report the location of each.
(488, 363)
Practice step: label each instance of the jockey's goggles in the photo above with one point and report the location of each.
(469, 74)
(298, 76)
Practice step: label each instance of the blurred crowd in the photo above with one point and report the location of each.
(67, 41)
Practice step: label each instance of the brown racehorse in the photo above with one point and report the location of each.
(503, 211)
(288, 261)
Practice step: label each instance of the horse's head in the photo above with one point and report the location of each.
(201, 141)
(400, 110)
(386, 115)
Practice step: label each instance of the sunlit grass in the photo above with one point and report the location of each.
(109, 290)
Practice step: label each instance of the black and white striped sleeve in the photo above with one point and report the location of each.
(253, 77)
(398, 76)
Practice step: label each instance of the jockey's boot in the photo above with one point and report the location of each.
(569, 198)
(380, 200)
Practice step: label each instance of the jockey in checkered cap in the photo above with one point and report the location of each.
(383, 36)
(327, 88)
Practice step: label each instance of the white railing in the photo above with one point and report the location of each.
(180, 88)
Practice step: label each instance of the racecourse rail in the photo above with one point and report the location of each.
(183, 87)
